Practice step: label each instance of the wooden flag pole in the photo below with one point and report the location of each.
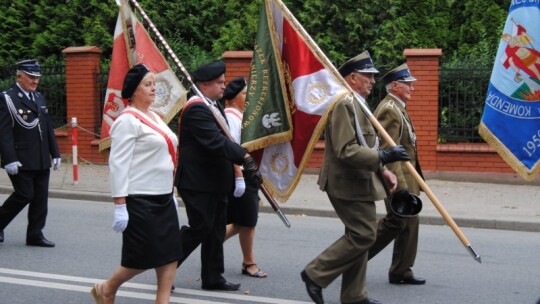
(225, 129)
(330, 67)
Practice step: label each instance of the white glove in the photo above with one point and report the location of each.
(121, 218)
(175, 201)
(239, 186)
(56, 163)
(13, 168)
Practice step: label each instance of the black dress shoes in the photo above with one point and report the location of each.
(40, 242)
(314, 291)
(407, 280)
(1, 236)
(223, 286)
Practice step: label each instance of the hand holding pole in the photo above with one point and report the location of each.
(330, 67)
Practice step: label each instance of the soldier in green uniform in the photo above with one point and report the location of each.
(349, 176)
(393, 116)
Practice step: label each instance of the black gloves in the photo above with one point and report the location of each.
(393, 154)
(250, 167)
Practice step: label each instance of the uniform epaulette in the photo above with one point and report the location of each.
(391, 104)
(349, 98)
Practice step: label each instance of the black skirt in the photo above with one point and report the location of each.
(244, 210)
(152, 237)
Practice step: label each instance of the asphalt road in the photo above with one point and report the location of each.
(88, 251)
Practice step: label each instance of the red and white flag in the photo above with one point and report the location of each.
(290, 90)
(132, 45)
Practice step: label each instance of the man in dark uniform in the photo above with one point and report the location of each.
(205, 176)
(393, 116)
(349, 176)
(27, 144)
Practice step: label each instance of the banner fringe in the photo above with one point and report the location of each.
(506, 155)
(283, 196)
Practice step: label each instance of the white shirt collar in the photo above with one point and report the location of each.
(24, 91)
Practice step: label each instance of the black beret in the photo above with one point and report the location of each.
(30, 67)
(234, 87)
(133, 77)
(361, 63)
(209, 71)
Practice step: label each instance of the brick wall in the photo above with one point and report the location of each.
(238, 64)
(82, 89)
(83, 100)
(424, 112)
(424, 105)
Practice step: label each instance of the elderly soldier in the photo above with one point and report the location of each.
(27, 143)
(393, 116)
(205, 174)
(349, 176)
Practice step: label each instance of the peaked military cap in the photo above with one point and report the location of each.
(209, 71)
(133, 77)
(401, 73)
(361, 63)
(30, 67)
(234, 87)
(405, 204)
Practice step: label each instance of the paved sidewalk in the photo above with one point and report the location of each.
(497, 203)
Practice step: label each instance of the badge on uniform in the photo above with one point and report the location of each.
(25, 117)
(20, 95)
(20, 111)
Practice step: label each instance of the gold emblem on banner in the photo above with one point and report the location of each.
(279, 163)
(318, 93)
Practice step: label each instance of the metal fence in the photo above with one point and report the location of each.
(52, 85)
(461, 99)
(462, 94)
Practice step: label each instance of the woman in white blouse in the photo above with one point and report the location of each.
(142, 163)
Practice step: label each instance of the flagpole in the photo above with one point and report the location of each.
(327, 63)
(225, 129)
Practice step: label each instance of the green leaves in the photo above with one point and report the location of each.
(203, 29)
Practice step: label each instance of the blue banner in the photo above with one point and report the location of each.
(511, 119)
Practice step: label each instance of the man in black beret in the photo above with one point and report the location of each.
(27, 144)
(204, 176)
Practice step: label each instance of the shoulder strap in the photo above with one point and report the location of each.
(232, 112)
(155, 128)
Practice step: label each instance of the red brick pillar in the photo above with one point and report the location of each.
(83, 98)
(424, 105)
(238, 64)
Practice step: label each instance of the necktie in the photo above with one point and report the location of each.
(32, 97)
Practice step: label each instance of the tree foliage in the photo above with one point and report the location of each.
(201, 30)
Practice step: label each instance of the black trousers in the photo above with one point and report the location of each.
(31, 187)
(207, 214)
